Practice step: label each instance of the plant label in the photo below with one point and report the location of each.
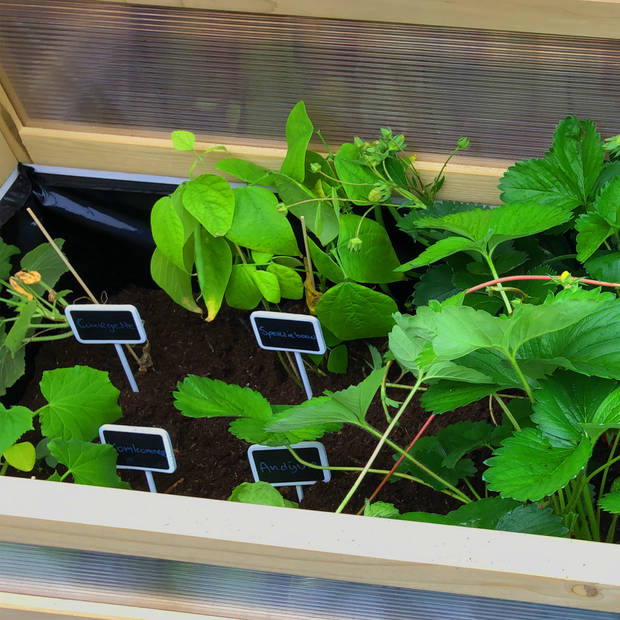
(284, 331)
(105, 324)
(278, 467)
(140, 447)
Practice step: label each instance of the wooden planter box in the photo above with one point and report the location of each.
(414, 560)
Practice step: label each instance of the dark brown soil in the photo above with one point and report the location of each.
(211, 462)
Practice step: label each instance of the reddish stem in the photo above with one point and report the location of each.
(471, 290)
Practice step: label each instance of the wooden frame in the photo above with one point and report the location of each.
(503, 565)
(583, 18)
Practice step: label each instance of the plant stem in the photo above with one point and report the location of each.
(501, 290)
(506, 411)
(612, 529)
(607, 465)
(587, 500)
(604, 478)
(471, 488)
(5, 466)
(526, 386)
(478, 287)
(377, 449)
(47, 338)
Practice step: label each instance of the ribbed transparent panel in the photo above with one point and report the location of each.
(143, 69)
(206, 589)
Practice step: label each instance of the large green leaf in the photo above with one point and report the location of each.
(374, 261)
(174, 281)
(211, 201)
(461, 438)
(88, 463)
(605, 267)
(19, 329)
(445, 396)
(607, 203)
(167, 230)
(592, 230)
(319, 214)
(201, 397)
(438, 251)
(528, 467)
(258, 225)
(12, 367)
(80, 400)
(242, 291)
(261, 493)
(21, 456)
(348, 406)
(299, 130)
(325, 264)
(352, 311)
(46, 261)
(213, 266)
(358, 180)
(14, 422)
(267, 283)
(244, 170)
(6, 251)
(567, 400)
(610, 502)
(532, 519)
(290, 283)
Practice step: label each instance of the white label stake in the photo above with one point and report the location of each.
(126, 368)
(304, 375)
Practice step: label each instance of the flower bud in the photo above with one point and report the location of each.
(355, 244)
(14, 282)
(315, 167)
(29, 277)
(463, 142)
(282, 208)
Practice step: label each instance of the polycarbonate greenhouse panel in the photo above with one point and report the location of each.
(136, 70)
(234, 592)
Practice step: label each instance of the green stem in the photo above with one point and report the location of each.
(526, 385)
(320, 135)
(604, 478)
(501, 290)
(561, 500)
(607, 465)
(471, 488)
(5, 466)
(585, 530)
(506, 411)
(612, 530)
(587, 500)
(48, 338)
(377, 449)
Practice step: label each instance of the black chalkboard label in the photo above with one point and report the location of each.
(100, 324)
(138, 447)
(283, 331)
(278, 467)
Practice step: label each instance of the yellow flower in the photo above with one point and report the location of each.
(564, 276)
(29, 277)
(15, 285)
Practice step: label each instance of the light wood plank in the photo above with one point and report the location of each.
(582, 18)
(411, 555)
(469, 179)
(7, 160)
(10, 126)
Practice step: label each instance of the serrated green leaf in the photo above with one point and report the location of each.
(374, 261)
(183, 140)
(475, 224)
(214, 267)
(80, 399)
(258, 225)
(325, 265)
(352, 311)
(167, 230)
(88, 463)
(461, 438)
(528, 467)
(6, 251)
(267, 284)
(289, 281)
(605, 267)
(21, 456)
(357, 179)
(347, 406)
(445, 396)
(438, 251)
(530, 519)
(436, 282)
(246, 171)
(242, 291)
(567, 400)
(610, 502)
(175, 282)
(46, 261)
(325, 226)
(211, 201)
(19, 329)
(299, 130)
(592, 230)
(383, 510)
(607, 203)
(201, 397)
(14, 422)
(261, 493)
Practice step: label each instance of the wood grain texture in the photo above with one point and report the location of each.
(10, 126)
(379, 551)
(474, 180)
(582, 18)
(7, 160)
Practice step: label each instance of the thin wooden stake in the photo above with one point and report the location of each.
(62, 256)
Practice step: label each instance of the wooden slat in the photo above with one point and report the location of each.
(425, 556)
(10, 126)
(583, 18)
(470, 179)
(7, 160)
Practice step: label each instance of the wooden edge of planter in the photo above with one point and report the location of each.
(424, 556)
(8, 161)
(10, 126)
(584, 18)
(470, 179)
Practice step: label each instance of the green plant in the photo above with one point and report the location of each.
(79, 400)
(35, 309)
